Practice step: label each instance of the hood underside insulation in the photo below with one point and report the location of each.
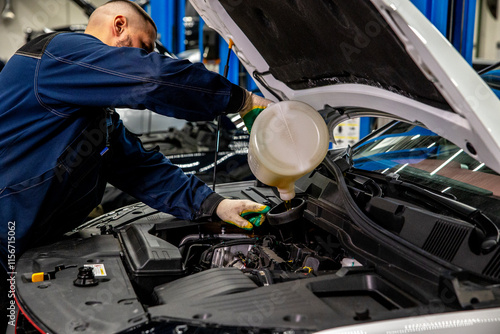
(309, 44)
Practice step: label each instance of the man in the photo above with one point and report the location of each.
(60, 144)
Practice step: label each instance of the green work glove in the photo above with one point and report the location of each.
(249, 117)
(242, 213)
(256, 218)
(254, 105)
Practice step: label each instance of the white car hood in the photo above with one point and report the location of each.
(383, 55)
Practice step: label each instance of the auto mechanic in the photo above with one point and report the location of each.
(61, 141)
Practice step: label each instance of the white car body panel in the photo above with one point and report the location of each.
(146, 121)
(478, 321)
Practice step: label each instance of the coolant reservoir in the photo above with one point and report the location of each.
(288, 140)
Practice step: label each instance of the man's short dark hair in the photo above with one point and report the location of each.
(138, 9)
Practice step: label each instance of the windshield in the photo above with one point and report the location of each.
(420, 156)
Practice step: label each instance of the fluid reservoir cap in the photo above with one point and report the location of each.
(85, 277)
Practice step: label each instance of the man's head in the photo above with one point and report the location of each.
(123, 23)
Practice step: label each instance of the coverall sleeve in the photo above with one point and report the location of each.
(78, 70)
(150, 177)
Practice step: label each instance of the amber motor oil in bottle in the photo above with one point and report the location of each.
(288, 140)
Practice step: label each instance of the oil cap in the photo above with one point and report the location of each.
(85, 277)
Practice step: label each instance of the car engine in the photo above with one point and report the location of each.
(136, 269)
(157, 252)
(266, 257)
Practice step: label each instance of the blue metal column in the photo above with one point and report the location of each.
(200, 37)
(251, 85)
(460, 31)
(436, 11)
(463, 27)
(180, 13)
(365, 126)
(163, 13)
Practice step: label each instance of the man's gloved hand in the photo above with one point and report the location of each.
(243, 213)
(254, 104)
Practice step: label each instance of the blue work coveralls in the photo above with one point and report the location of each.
(60, 142)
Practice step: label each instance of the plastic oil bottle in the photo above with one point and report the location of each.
(288, 140)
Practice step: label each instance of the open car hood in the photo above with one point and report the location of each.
(381, 55)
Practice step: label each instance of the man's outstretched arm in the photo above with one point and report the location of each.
(78, 71)
(153, 179)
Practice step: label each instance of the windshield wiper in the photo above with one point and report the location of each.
(469, 213)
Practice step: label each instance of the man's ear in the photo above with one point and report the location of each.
(119, 25)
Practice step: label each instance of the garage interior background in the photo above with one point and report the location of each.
(472, 26)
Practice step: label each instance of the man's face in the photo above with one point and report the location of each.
(139, 37)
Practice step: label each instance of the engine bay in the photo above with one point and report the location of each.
(159, 269)
(157, 253)
(137, 268)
